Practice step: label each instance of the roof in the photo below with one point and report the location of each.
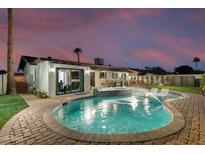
(35, 60)
(3, 71)
(24, 60)
(111, 68)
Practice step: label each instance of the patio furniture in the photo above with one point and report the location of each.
(154, 91)
(163, 92)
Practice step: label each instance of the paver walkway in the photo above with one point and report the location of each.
(28, 126)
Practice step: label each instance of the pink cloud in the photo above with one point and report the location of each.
(197, 16)
(129, 14)
(186, 46)
(106, 33)
(133, 13)
(160, 57)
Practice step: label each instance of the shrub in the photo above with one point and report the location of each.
(33, 91)
(43, 94)
(67, 89)
(39, 93)
(202, 86)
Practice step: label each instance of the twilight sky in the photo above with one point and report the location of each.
(123, 37)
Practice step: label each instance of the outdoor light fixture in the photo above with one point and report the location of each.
(87, 71)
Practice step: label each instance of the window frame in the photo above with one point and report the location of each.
(104, 76)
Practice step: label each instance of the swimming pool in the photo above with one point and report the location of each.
(137, 113)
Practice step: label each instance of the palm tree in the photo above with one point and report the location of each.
(11, 86)
(196, 60)
(77, 51)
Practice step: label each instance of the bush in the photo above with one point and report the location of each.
(39, 93)
(33, 91)
(202, 86)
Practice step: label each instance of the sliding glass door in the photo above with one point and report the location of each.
(69, 81)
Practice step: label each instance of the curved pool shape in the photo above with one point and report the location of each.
(114, 115)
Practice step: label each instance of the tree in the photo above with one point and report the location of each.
(11, 86)
(155, 70)
(77, 51)
(184, 69)
(196, 60)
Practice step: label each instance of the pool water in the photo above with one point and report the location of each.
(171, 95)
(114, 115)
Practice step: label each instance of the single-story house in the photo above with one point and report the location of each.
(57, 77)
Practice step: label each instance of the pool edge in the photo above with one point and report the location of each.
(176, 125)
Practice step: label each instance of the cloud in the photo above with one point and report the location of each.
(196, 15)
(160, 57)
(112, 34)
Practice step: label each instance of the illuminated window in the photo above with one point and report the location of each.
(123, 76)
(114, 75)
(103, 75)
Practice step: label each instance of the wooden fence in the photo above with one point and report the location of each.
(192, 80)
(21, 84)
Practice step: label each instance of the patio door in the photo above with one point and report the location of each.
(69, 81)
(63, 81)
(75, 80)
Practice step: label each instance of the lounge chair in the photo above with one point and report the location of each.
(154, 91)
(163, 92)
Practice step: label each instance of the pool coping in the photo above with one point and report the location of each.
(177, 124)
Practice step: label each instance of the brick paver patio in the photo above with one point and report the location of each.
(28, 126)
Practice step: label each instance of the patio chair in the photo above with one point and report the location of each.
(163, 92)
(154, 91)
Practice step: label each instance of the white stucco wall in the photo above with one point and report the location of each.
(29, 71)
(52, 76)
(98, 81)
(4, 84)
(42, 79)
(46, 76)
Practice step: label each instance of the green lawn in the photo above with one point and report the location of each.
(9, 106)
(176, 88)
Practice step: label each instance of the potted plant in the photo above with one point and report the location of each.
(67, 89)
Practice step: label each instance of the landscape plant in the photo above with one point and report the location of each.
(39, 93)
(202, 86)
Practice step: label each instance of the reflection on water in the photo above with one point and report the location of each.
(89, 115)
(107, 106)
(137, 113)
(133, 102)
(114, 108)
(147, 106)
(61, 113)
(89, 112)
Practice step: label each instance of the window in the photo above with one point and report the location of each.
(114, 75)
(69, 81)
(75, 85)
(75, 74)
(123, 76)
(103, 75)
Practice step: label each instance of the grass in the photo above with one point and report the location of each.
(9, 106)
(176, 88)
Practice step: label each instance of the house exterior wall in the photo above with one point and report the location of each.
(52, 76)
(42, 76)
(99, 82)
(30, 73)
(3, 84)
